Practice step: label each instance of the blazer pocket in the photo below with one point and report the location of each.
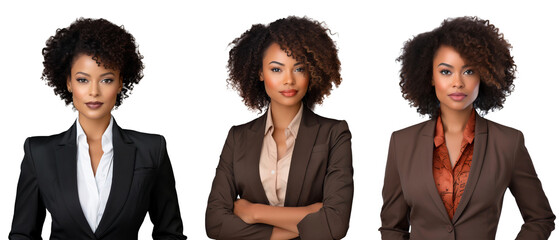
(144, 171)
(320, 148)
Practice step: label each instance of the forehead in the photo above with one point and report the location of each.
(275, 52)
(449, 55)
(84, 62)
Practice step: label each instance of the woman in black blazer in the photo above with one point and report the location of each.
(286, 68)
(96, 179)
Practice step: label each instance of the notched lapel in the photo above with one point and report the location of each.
(426, 146)
(123, 171)
(253, 149)
(480, 144)
(66, 165)
(302, 150)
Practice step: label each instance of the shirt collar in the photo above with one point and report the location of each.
(468, 134)
(106, 139)
(293, 126)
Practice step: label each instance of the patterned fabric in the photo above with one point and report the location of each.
(451, 182)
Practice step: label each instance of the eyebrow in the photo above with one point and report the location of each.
(445, 64)
(450, 66)
(276, 62)
(102, 75)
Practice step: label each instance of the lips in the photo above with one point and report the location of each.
(457, 96)
(289, 92)
(94, 105)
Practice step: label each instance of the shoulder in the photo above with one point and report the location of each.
(334, 128)
(141, 137)
(144, 140)
(242, 131)
(39, 143)
(329, 122)
(494, 128)
(501, 134)
(414, 131)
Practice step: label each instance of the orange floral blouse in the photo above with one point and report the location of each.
(451, 182)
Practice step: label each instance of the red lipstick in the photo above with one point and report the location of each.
(288, 92)
(457, 96)
(93, 105)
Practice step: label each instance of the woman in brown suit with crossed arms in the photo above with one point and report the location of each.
(290, 168)
(446, 177)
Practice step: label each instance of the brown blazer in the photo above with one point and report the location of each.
(321, 171)
(500, 161)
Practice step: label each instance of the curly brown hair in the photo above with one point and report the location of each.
(307, 40)
(479, 43)
(107, 43)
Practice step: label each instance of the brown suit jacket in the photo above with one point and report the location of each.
(500, 161)
(321, 171)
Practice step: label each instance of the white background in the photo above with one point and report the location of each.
(184, 95)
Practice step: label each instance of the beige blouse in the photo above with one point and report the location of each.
(273, 171)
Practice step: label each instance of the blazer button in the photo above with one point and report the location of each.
(449, 228)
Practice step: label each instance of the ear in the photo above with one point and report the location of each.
(261, 76)
(432, 82)
(68, 84)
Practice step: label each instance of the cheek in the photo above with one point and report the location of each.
(270, 83)
(303, 82)
(475, 90)
(78, 93)
(440, 87)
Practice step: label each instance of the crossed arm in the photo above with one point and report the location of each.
(284, 219)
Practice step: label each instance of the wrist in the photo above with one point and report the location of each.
(255, 210)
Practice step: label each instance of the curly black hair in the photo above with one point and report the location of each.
(479, 43)
(307, 40)
(107, 43)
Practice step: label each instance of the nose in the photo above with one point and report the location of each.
(94, 89)
(289, 78)
(458, 81)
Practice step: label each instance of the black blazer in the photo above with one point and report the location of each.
(321, 171)
(142, 181)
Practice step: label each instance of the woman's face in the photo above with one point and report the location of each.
(456, 83)
(94, 88)
(285, 79)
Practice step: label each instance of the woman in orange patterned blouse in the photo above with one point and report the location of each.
(446, 177)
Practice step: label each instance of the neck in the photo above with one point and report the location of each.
(455, 121)
(283, 115)
(94, 128)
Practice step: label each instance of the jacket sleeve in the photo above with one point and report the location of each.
(332, 220)
(394, 214)
(530, 198)
(221, 222)
(164, 206)
(29, 212)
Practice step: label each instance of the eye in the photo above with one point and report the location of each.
(107, 80)
(469, 72)
(81, 80)
(275, 69)
(445, 72)
(301, 69)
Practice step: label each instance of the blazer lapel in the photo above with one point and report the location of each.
(480, 143)
(66, 165)
(426, 148)
(253, 149)
(302, 150)
(123, 171)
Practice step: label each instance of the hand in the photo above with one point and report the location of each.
(315, 207)
(243, 210)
